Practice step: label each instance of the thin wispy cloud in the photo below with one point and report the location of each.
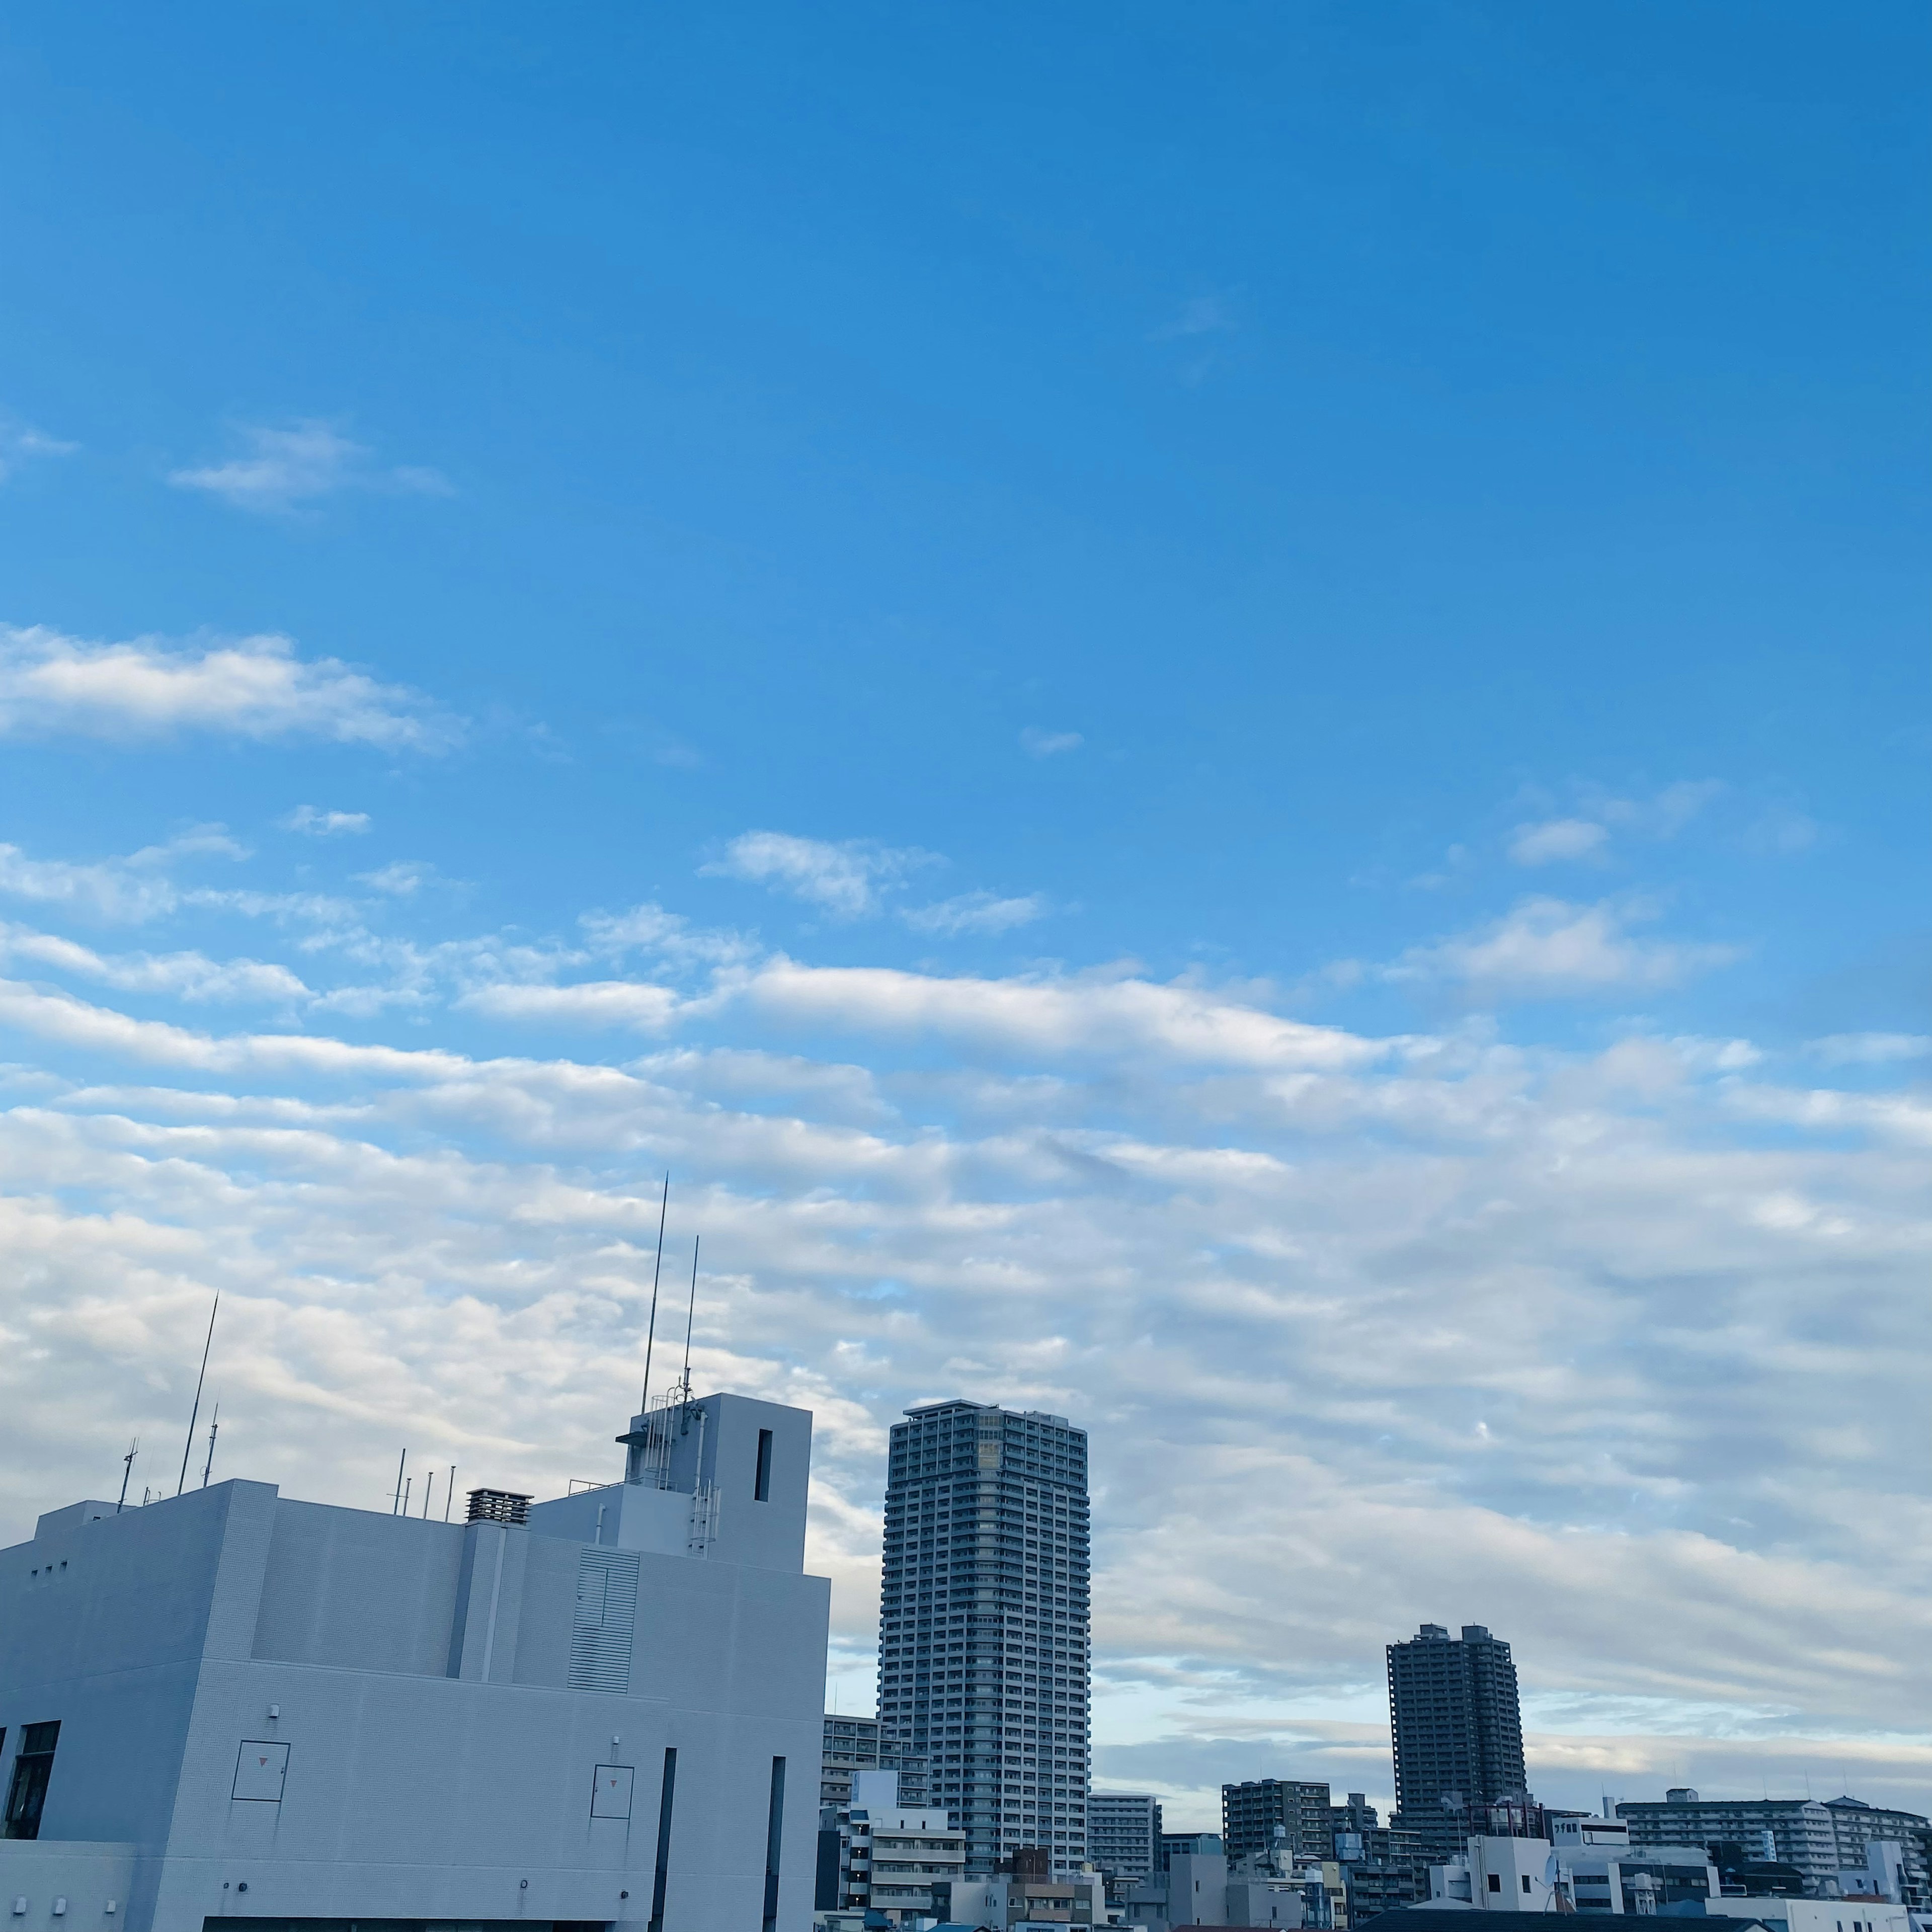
(847, 879)
(1557, 839)
(138, 886)
(20, 445)
(1040, 744)
(401, 879)
(187, 976)
(1585, 833)
(1551, 949)
(315, 823)
(1870, 1049)
(255, 687)
(1202, 315)
(281, 468)
(976, 912)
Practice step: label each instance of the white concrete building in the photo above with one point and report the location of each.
(1588, 1862)
(1124, 1833)
(1200, 1888)
(1818, 1915)
(232, 1706)
(877, 1853)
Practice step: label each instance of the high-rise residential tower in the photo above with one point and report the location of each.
(1457, 1728)
(984, 1622)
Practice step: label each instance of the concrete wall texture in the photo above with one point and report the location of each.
(273, 1710)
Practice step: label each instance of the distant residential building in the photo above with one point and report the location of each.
(877, 1855)
(1383, 1866)
(1456, 1722)
(863, 1743)
(1251, 1811)
(1198, 1888)
(1357, 1815)
(1189, 1842)
(1006, 1899)
(984, 1622)
(1124, 1833)
(1820, 1839)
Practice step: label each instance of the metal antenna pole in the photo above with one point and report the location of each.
(689, 1314)
(213, 1427)
(650, 1334)
(449, 1490)
(188, 1447)
(126, 1470)
(396, 1503)
(429, 1490)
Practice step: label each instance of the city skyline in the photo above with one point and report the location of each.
(1217, 720)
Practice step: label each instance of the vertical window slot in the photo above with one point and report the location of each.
(761, 1489)
(774, 1828)
(32, 1767)
(660, 1877)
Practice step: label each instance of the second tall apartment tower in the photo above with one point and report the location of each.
(984, 1622)
(1458, 1730)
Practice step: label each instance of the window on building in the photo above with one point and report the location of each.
(775, 1811)
(31, 1769)
(1496, 1881)
(761, 1489)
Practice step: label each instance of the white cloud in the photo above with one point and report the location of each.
(1870, 1049)
(1048, 744)
(1548, 948)
(185, 976)
(844, 879)
(401, 879)
(296, 464)
(139, 886)
(650, 928)
(1051, 1017)
(1585, 833)
(976, 912)
(20, 445)
(1365, 1330)
(598, 1003)
(254, 687)
(1556, 839)
(318, 824)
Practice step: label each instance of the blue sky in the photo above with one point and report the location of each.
(1250, 685)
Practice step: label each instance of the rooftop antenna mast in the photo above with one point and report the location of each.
(689, 1313)
(214, 1428)
(188, 1447)
(650, 1334)
(126, 1470)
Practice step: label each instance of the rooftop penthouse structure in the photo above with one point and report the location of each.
(236, 1708)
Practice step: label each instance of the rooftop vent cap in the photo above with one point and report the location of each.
(498, 1506)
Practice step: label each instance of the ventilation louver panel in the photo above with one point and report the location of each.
(607, 1614)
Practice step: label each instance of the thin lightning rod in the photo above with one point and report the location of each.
(188, 1447)
(214, 1428)
(429, 1490)
(448, 1490)
(126, 1470)
(689, 1313)
(396, 1506)
(650, 1334)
